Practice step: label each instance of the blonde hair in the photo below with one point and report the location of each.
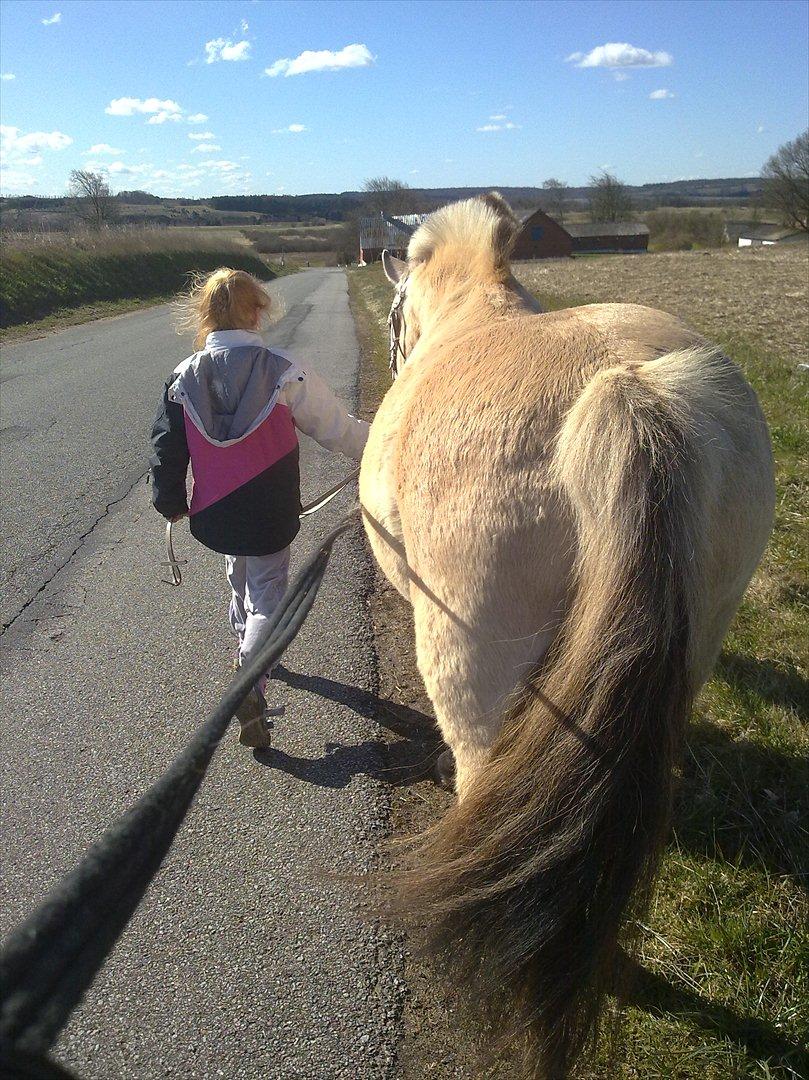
(225, 299)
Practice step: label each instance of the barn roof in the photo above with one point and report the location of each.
(608, 228)
(523, 218)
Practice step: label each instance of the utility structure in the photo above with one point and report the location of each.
(391, 231)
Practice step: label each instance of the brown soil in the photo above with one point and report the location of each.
(760, 294)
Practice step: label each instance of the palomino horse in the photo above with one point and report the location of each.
(573, 503)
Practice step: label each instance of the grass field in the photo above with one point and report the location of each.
(44, 275)
(723, 986)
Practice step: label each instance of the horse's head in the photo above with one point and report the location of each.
(459, 247)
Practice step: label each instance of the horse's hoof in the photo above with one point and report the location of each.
(445, 770)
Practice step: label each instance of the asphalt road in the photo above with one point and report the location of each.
(252, 954)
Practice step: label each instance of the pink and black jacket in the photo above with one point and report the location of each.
(232, 410)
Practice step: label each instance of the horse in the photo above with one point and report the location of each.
(573, 502)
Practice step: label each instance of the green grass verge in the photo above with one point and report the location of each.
(722, 987)
(37, 283)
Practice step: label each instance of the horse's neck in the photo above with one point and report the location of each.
(465, 307)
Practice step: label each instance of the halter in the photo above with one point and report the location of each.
(396, 327)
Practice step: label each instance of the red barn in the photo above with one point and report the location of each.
(541, 237)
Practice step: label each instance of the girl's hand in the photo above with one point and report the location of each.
(179, 517)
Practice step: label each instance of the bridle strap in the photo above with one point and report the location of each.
(396, 328)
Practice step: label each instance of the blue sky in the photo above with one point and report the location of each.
(203, 97)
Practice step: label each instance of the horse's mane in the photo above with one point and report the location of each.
(480, 230)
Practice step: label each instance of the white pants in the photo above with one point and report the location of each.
(258, 583)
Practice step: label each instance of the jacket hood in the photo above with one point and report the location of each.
(231, 386)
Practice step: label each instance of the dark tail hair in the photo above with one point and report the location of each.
(526, 884)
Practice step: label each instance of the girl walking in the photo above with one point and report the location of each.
(232, 409)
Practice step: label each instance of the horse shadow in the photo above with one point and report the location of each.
(780, 684)
(643, 989)
(738, 801)
(409, 759)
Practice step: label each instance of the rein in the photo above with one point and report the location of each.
(396, 328)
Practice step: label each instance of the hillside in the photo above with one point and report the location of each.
(141, 208)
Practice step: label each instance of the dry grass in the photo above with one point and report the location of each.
(759, 294)
(722, 987)
(126, 240)
(46, 274)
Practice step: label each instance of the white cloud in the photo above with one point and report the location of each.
(224, 49)
(16, 147)
(197, 118)
(760, 128)
(55, 18)
(620, 55)
(244, 25)
(498, 116)
(222, 166)
(7, 76)
(295, 129)
(201, 135)
(103, 148)
(117, 168)
(206, 148)
(322, 60)
(163, 116)
(19, 152)
(508, 126)
(16, 180)
(160, 110)
(660, 95)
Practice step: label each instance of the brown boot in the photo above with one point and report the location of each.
(255, 726)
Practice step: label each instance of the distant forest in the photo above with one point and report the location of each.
(348, 204)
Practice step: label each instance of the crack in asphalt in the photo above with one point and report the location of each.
(79, 544)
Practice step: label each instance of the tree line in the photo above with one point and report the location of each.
(785, 190)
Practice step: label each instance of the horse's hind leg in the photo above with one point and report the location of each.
(469, 672)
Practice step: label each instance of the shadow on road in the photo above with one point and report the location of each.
(408, 760)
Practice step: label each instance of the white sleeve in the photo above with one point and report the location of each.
(318, 413)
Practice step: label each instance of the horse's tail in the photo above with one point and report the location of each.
(528, 882)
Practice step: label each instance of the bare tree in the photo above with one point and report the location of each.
(92, 197)
(786, 182)
(555, 198)
(610, 200)
(387, 196)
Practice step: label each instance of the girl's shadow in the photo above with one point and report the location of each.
(407, 760)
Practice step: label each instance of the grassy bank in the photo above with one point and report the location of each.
(722, 990)
(44, 275)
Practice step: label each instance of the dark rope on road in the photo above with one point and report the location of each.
(49, 961)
